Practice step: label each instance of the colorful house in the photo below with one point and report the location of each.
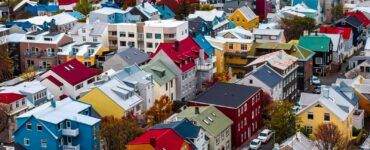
(124, 58)
(215, 21)
(65, 124)
(347, 36)
(158, 139)
(242, 104)
(357, 29)
(36, 9)
(245, 18)
(165, 11)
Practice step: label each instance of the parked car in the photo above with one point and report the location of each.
(317, 89)
(255, 144)
(315, 81)
(265, 135)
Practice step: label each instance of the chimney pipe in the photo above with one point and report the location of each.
(152, 141)
(196, 110)
(53, 103)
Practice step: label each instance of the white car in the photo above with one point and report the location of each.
(255, 144)
(315, 80)
(265, 135)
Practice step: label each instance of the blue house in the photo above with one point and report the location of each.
(57, 125)
(112, 15)
(165, 12)
(313, 4)
(35, 9)
(204, 44)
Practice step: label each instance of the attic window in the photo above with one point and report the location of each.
(210, 119)
(205, 121)
(213, 114)
(318, 105)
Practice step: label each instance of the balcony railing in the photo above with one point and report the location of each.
(70, 147)
(70, 132)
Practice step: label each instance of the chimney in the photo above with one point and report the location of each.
(196, 110)
(325, 92)
(152, 141)
(201, 56)
(176, 45)
(53, 103)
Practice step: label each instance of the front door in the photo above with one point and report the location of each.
(69, 140)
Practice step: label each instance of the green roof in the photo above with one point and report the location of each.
(301, 53)
(161, 73)
(219, 122)
(316, 43)
(291, 48)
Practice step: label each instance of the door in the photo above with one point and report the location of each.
(68, 124)
(69, 140)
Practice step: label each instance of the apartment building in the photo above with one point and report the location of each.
(90, 32)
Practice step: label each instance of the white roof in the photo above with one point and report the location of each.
(164, 23)
(299, 142)
(367, 46)
(207, 15)
(240, 36)
(39, 38)
(65, 109)
(27, 87)
(108, 11)
(278, 59)
(248, 13)
(147, 8)
(276, 32)
(15, 37)
(63, 18)
(335, 38)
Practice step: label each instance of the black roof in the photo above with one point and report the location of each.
(227, 94)
(353, 21)
(268, 76)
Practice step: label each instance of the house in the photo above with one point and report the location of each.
(14, 105)
(113, 98)
(186, 59)
(90, 32)
(310, 5)
(66, 4)
(216, 125)
(35, 8)
(112, 15)
(363, 68)
(281, 69)
(165, 12)
(193, 134)
(242, 104)
(65, 124)
(163, 78)
(298, 142)
(140, 81)
(245, 18)
(198, 26)
(215, 21)
(360, 16)
(323, 48)
(78, 15)
(269, 35)
(125, 35)
(361, 86)
(87, 53)
(231, 50)
(336, 104)
(299, 10)
(154, 139)
(347, 36)
(69, 79)
(125, 58)
(338, 47)
(356, 26)
(146, 11)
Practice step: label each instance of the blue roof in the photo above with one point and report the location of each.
(267, 75)
(204, 44)
(310, 3)
(166, 12)
(127, 71)
(184, 128)
(344, 88)
(24, 25)
(77, 15)
(34, 9)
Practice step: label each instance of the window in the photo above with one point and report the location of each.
(166, 86)
(310, 116)
(309, 129)
(158, 36)
(26, 142)
(122, 34)
(95, 39)
(131, 34)
(273, 37)
(171, 83)
(68, 124)
(78, 86)
(318, 60)
(326, 117)
(149, 45)
(44, 143)
(149, 35)
(122, 43)
(84, 38)
(16, 104)
(231, 46)
(83, 30)
(250, 81)
(90, 80)
(258, 37)
(60, 125)
(244, 46)
(29, 126)
(23, 102)
(39, 127)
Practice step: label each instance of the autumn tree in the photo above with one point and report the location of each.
(6, 63)
(183, 11)
(281, 119)
(161, 110)
(29, 74)
(337, 12)
(295, 26)
(329, 137)
(4, 115)
(83, 6)
(117, 132)
(128, 3)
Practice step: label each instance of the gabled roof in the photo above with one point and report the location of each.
(185, 128)
(7, 98)
(279, 59)
(316, 43)
(360, 17)
(247, 12)
(74, 71)
(345, 32)
(204, 44)
(267, 75)
(164, 139)
(310, 3)
(146, 8)
(133, 75)
(161, 73)
(207, 15)
(298, 142)
(54, 80)
(133, 56)
(351, 20)
(226, 95)
(219, 122)
(165, 11)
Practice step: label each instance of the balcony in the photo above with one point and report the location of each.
(204, 67)
(70, 132)
(70, 147)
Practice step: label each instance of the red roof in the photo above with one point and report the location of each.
(8, 98)
(74, 71)
(345, 32)
(162, 138)
(183, 53)
(66, 2)
(55, 81)
(360, 16)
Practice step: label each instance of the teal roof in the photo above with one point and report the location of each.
(77, 15)
(209, 118)
(166, 12)
(310, 3)
(315, 43)
(161, 73)
(204, 44)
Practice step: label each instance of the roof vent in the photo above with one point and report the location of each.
(70, 66)
(65, 67)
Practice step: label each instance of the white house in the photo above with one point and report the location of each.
(90, 32)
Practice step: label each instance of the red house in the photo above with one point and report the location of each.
(360, 16)
(241, 103)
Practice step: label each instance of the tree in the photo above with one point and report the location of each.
(281, 119)
(329, 137)
(183, 11)
(337, 12)
(128, 3)
(294, 27)
(117, 132)
(161, 110)
(84, 7)
(6, 63)
(4, 115)
(29, 74)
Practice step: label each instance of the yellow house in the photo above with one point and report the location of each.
(113, 98)
(333, 105)
(245, 18)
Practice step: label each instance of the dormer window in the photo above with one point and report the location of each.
(48, 39)
(30, 38)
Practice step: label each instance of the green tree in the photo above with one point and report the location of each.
(6, 63)
(337, 12)
(295, 26)
(161, 110)
(281, 119)
(117, 132)
(183, 11)
(84, 7)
